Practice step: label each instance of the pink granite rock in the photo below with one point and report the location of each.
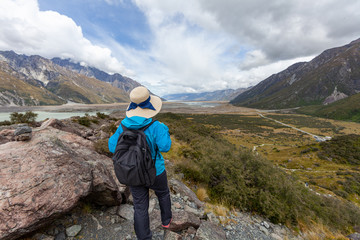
(47, 176)
(6, 135)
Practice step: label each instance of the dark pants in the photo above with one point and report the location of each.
(141, 205)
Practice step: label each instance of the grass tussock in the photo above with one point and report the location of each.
(202, 195)
(319, 231)
(101, 146)
(238, 178)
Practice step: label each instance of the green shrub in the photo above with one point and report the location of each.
(101, 146)
(94, 120)
(102, 115)
(342, 149)
(27, 117)
(5, 123)
(85, 121)
(110, 128)
(238, 178)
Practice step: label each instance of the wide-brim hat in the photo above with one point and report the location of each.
(143, 104)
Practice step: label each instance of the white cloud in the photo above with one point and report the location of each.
(288, 29)
(207, 45)
(25, 29)
(193, 46)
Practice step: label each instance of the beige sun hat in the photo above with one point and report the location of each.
(143, 104)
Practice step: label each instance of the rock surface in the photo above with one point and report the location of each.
(354, 236)
(47, 176)
(183, 220)
(126, 211)
(21, 129)
(6, 135)
(210, 231)
(73, 230)
(181, 188)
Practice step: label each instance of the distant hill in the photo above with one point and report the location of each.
(34, 80)
(220, 95)
(344, 109)
(331, 76)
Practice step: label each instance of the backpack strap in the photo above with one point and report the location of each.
(143, 129)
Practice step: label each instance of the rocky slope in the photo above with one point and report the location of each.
(58, 187)
(16, 90)
(331, 76)
(49, 83)
(347, 109)
(116, 80)
(220, 95)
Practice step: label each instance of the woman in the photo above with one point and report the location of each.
(142, 108)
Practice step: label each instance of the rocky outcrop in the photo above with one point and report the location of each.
(181, 188)
(47, 176)
(335, 96)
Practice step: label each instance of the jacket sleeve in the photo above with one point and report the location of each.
(163, 140)
(114, 139)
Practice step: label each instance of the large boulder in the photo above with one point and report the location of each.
(47, 176)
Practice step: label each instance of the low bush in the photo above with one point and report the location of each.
(5, 123)
(27, 117)
(109, 128)
(85, 121)
(101, 146)
(102, 115)
(342, 149)
(238, 178)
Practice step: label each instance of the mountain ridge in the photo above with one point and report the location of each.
(42, 75)
(308, 83)
(116, 79)
(218, 95)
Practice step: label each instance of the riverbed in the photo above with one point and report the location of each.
(69, 110)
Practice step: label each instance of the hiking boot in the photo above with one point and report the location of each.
(167, 226)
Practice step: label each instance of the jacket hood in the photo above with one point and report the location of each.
(135, 122)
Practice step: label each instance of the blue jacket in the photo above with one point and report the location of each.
(157, 133)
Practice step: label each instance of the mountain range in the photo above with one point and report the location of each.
(34, 80)
(329, 77)
(219, 95)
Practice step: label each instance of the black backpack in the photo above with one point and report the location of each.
(132, 158)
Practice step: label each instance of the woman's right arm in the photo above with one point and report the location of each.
(114, 139)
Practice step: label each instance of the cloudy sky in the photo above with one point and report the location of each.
(174, 46)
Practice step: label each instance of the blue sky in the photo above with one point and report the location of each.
(173, 46)
(123, 22)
